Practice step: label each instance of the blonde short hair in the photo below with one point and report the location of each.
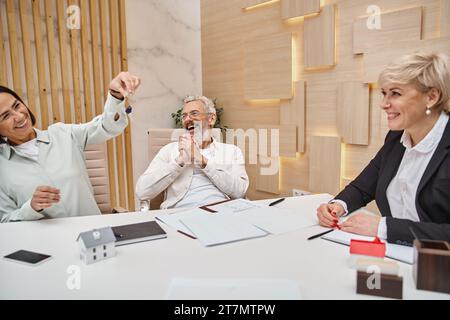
(423, 70)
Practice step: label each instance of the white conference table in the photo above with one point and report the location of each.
(145, 270)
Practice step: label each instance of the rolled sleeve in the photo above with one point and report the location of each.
(24, 213)
(108, 125)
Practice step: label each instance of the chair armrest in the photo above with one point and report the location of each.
(119, 210)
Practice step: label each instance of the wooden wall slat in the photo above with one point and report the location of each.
(115, 64)
(445, 22)
(29, 70)
(297, 8)
(98, 101)
(52, 61)
(40, 63)
(293, 112)
(397, 26)
(268, 67)
(252, 3)
(127, 133)
(13, 46)
(319, 39)
(264, 182)
(3, 79)
(63, 55)
(74, 35)
(106, 79)
(325, 164)
(86, 61)
(353, 112)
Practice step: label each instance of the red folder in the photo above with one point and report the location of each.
(374, 248)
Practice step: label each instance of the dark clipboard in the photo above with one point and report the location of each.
(205, 207)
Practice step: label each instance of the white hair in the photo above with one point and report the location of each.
(208, 104)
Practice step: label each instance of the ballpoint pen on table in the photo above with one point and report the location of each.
(276, 202)
(321, 234)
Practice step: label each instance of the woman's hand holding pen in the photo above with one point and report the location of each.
(329, 213)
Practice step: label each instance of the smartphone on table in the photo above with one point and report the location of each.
(27, 257)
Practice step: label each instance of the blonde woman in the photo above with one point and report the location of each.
(410, 176)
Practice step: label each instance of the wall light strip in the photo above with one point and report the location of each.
(260, 5)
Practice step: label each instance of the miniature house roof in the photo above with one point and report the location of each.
(97, 237)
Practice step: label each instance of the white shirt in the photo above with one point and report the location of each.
(201, 191)
(225, 169)
(401, 192)
(29, 149)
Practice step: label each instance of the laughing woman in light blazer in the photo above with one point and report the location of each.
(410, 176)
(43, 173)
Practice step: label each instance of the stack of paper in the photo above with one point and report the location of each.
(213, 229)
(173, 219)
(275, 220)
(393, 251)
(236, 220)
(234, 206)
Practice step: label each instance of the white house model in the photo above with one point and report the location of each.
(96, 245)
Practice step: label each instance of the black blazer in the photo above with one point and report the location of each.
(432, 197)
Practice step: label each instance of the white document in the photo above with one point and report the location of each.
(213, 229)
(173, 219)
(233, 289)
(393, 251)
(233, 206)
(276, 220)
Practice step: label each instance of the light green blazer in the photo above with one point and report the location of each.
(60, 164)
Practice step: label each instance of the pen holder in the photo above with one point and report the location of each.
(431, 269)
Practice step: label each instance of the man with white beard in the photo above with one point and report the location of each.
(197, 170)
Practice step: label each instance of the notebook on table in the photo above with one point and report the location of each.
(138, 232)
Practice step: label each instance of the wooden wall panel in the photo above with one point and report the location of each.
(268, 67)
(297, 8)
(319, 39)
(3, 79)
(353, 112)
(127, 133)
(42, 47)
(292, 112)
(41, 65)
(265, 182)
(379, 57)
(287, 144)
(63, 59)
(325, 164)
(252, 3)
(75, 62)
(396, 26)
(13, 46)
(52, 60)
(115, 63)
(444, 18)
(26, 43)
(85, 60)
